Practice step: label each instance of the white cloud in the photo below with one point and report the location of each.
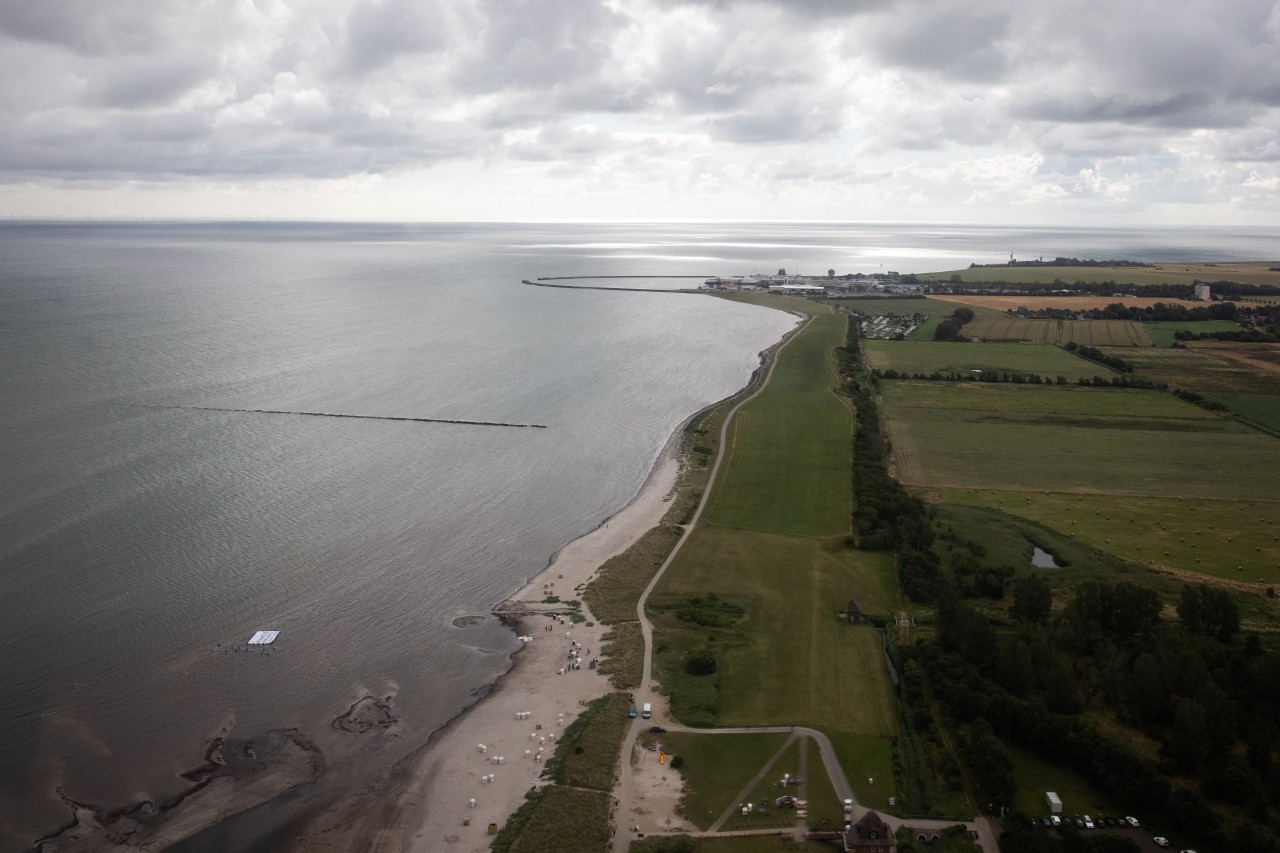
(758, 106)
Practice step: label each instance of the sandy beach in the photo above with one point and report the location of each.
(475, 771)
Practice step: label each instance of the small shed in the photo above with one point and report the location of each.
(854, 614)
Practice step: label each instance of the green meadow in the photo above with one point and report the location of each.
(716, 768)
(925, 357)
(785, 443)
(1162, 332)
(1094, 440)
(1237, 540)
(759, 584)
(1261, 409)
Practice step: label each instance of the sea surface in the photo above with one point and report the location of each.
(144, 530)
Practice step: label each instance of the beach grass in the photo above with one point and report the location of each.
(622, 655)
(914, 356)
(1094, 440)
(729, 844)
(612, 596)
(540, 824)
(586, 754)
(790, 450)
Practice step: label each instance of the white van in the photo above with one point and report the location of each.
(648, 711)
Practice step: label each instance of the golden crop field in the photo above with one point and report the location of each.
(1066, 303)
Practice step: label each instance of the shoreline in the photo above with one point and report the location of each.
(423, 804)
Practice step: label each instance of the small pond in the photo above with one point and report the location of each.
(1042, 559)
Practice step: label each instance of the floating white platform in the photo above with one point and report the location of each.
(263, 638)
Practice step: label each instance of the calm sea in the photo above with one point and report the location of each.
(137, 537)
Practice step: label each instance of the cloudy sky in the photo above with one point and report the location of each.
(1053, 111)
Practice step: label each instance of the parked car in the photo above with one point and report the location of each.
(1133, 821)
(1088, 822)
(1161, 841)
(1055, 820)
(848, 806)
(1079, 821)
(657, 730)
(1186, 851)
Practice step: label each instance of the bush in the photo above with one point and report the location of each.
(702, 662)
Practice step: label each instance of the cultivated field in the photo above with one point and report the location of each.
(1210, 367)
(1089, 440)
(928, 356)
(1252, 272)
(805, 489)
(1120, 333)
(1004, 304)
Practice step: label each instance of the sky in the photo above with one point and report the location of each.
(1123, 112)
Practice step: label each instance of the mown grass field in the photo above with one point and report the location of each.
(1162, 331)
(1262, 409)
(927, 356)
(790, 448)
(773, 551)
(819, 672)
(1094, 440)
(1252, 272)
(717, 767)
(1236, 540)
(818, 790)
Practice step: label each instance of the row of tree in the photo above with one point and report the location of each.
(949, 329)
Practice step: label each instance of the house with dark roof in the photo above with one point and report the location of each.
(869, 835)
